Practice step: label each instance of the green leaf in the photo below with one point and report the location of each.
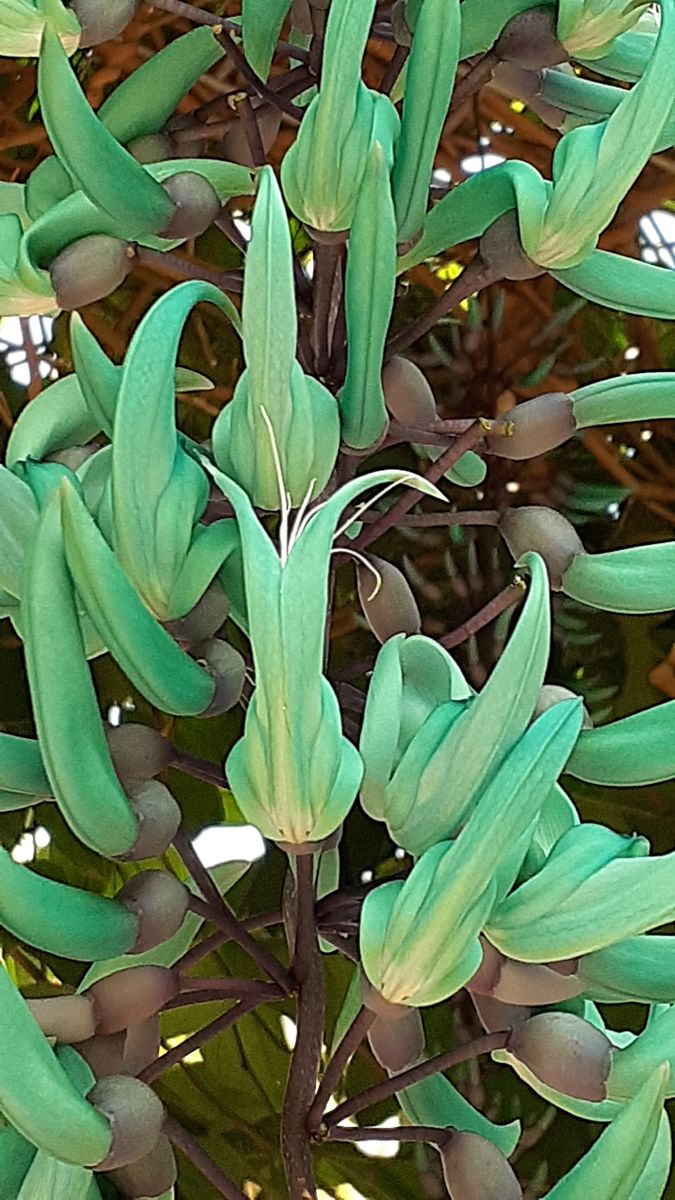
(49, 1179)
(640, 579)
(430, 80)
(94, 159)
(612, 1168)
(261, 22)
(369, 300)
(455, 885)
(436, 1101)
(144, 101)
(635, 750)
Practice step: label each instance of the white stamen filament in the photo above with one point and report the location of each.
(361, 508)
(284, 498)
(356, 554)
(302, 515)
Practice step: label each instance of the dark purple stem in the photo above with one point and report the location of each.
(433, 1134)
(474, 278)
(405, 1079)
(306, 1060)
(513, 594)
(201, 1160)
(215, 940)
(346, 1050)
(199, 768)
(216, 910)
(175, 267)
(199, 1039)
(436, 471)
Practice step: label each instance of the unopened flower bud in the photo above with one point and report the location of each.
(501, 250)
(407, 393)
(494, 1015)
(105, 1054)
(397, 1042)
(89, 269)
(129, 996)
(141, 1045)
(204, 619)
(197, 205)
(69, 1019)
(136, 1116)
(529, 40)
(159, 817)
(235, 146)
(474, 1169)
(154, 147)
(153, 1175)
(228, 669)
(487, 976)
(553, 693)
(73, 456)
(565, 1052)
(159, 901)
(534, 984)
(537, 426)
(517, 81)
(548, 533)
(138, 751)
(102, 19)
(386, 599)
(399, 26)
(377, 1003)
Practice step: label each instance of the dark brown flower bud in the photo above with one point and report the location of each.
(235, 145)
(399, 1042)
(148, 1177)
(228, 669)
(89, 269)
(486, 977)
(400, 27)
(386, 599)
(552, 693)
(136, 1116)
(205, 619)
(159, 901)
(141, 1045)
(407, 393)
(474, 1169)
(129, 996)
(494, 1015)
(159, 817)
(197, 205)
(534, 984)
(565, 1052)
(501, 250)
(537, 426)
(102, 19)
(377, 1003)
(138, 751)
(105, 1054)
(185, 147)
(546, 531)
(516, 82)
(154, 147)
(548, 113)
(529, 40)
(69, 1019)
(72, 456)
